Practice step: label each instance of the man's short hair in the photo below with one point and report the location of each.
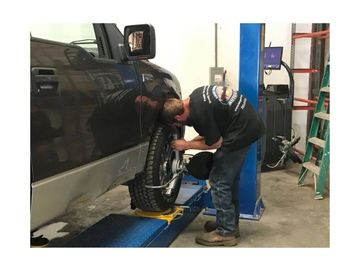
(172, 107)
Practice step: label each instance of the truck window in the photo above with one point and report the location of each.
(82, 35)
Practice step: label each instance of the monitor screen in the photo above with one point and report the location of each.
(272, 57)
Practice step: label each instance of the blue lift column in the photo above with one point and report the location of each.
(250, 82)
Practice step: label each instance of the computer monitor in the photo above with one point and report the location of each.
(272, 57)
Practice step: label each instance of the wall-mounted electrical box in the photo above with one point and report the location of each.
(216, 75)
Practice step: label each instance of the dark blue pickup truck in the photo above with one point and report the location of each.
(96, 102)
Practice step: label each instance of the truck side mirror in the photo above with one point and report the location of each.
(139, 41)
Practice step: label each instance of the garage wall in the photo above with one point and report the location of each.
(188, 50)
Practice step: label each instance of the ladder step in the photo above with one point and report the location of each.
(322, 115)
(325, 89)
(312, 167)
(317, 141)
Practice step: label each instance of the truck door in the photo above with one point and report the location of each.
(82, 100)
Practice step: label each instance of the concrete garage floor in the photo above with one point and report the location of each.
(292, 218)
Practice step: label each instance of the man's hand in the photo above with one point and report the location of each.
(180, 145)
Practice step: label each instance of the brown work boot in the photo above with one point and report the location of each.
(210, 226)
(215, 239)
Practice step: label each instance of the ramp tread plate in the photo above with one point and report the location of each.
(120, 231)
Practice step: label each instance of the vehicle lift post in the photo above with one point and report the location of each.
(117, 230)
(252, 39)
(250, 80)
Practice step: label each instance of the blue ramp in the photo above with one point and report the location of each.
(120, 231)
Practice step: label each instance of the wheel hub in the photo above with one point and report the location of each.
(176, 166)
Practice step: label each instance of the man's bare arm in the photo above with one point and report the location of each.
(199, 144)
(198, 138)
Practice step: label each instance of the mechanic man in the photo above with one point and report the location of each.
(225, 121)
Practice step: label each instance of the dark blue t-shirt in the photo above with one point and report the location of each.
(232, 118)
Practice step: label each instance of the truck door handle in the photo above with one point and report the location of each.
(45, 81)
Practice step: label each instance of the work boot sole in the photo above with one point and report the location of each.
(227, 243)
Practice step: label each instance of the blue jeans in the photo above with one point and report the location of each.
(224, 180)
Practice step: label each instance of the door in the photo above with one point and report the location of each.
(82, 100)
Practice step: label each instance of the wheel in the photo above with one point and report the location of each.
(160, 168)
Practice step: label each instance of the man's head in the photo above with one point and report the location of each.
(173, 111)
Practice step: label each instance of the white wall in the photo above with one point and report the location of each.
(228, 51)
(188, 50)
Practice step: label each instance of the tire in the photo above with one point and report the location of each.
(157, 172)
